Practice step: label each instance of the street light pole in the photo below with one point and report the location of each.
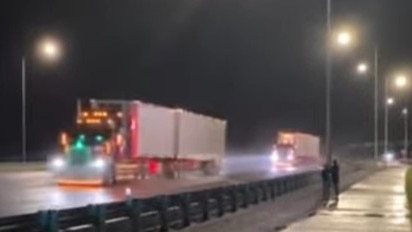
(23, 110)
(405, 124)
(386, 117)
(50, 50)
(328, 73)
(376, 102)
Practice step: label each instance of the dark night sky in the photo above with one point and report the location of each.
(257, 63)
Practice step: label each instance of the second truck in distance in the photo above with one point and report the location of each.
(294, 148)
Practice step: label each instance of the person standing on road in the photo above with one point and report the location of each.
(325, 183)
(334, 174)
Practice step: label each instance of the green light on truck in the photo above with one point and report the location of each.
(82, 137)
(99, 138)
(79, 145)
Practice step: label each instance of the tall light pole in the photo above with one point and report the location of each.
(376, 103)
(400, 82)
(48, 49)
(23, 110)
(328, 74)
(405, 114)
(388, 102)
(343, 39)
(362, 68)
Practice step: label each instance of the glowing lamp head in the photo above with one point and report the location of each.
(388, 157)
(390, 101)
(362, 68)
(401, 81)
(344, 38)
(49, 49)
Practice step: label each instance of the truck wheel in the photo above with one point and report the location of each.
(209, 168)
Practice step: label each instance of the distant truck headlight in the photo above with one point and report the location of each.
(388, 157)
(57, 162)
(99, 163)
(275, 156)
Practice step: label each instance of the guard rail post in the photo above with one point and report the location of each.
(43, 217)
(265, 191)
(246, 196)
(220, 204)
(98, 213)
(48, 220)
(255, 192)
(205, 205)
(185, 206)
(163, 203)
(54, 221)
(272, 190)
(233, 198)
(134, 210)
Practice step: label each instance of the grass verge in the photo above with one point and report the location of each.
(408, 187)
(22, 167)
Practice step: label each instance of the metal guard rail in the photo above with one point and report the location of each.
(160, 213)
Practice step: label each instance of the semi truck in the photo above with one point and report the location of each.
(115, 140)
(291, 148)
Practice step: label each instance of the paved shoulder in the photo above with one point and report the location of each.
(377, 203)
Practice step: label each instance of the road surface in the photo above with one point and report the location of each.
(28, 192)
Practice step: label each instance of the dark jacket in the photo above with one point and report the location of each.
(325, 174)
(334, 173)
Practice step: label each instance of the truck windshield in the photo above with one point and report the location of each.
(90, 136)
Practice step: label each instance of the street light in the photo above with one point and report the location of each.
(50, 50)
(401, 81)
(390, 101)
(344, 38)
(362, 68)
(405, 131)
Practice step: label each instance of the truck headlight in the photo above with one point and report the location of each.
(57, 162)
(275, 156)
(290, 157)
(99, 163)
(388, 157)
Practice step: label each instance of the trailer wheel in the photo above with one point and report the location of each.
(209, 168)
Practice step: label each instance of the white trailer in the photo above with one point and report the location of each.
(174, 133)
(200, 137)
(155, 130)
(307, 145)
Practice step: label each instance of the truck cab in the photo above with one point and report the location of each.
(88, 151)
(295, 148)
